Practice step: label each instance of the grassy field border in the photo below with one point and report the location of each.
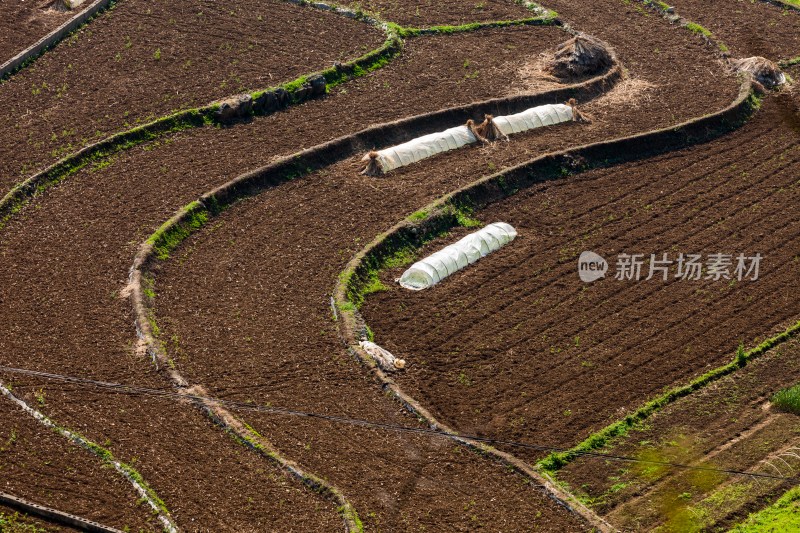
(195, 215)
(456, 208)
(131, 474)
(294, 92)
(604, 437)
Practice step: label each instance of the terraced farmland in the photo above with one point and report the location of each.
(191, 256)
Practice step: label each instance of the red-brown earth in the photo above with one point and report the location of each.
(145, 59)
(25, 22)
(517, 347)
(73, 229)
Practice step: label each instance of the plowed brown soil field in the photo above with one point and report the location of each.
(518, 347)
(40, 465)
(515, 347)
(26, 22)
(116, 207)
(748, 28)
(145, 59)
(732, 425)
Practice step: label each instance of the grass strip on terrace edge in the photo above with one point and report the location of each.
(781, 516)
(71, 35)
(174, 231)
(18, 523)
(456, 208)
(668, 12)
(406, 32)
(400, 248)
(395, 248)
(318, 485)
(789, 62)
(537, 8)
(96, 153)
(786, 4)
(163, 241)
(606, 436)
(362, 273)
(158, 505)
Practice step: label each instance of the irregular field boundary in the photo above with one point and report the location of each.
(450, 210)
(53, 515)
(135, 478)
(604, 437)
(296, 91)
(193, 216)
(147, 331)
(290, 93)
(27, 56)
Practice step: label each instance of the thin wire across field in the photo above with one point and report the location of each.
(122, 388)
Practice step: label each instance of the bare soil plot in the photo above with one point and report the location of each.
(66, 262)
(25, 22)
(246, 306)
(517, 347)
(144, 59)
(427, 13)
(731, 424)
(747, 28)
(67, 257)
(41, 466)
(246, 301)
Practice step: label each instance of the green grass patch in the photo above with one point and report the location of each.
(790, 62)
(416, 216)
(698, 29)
(783, 515)
(787, 400)
(16, 523)
(400, 258)
(791, 3)
(173, 232)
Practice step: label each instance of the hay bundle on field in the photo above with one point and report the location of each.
(762, 69)
(580, 56)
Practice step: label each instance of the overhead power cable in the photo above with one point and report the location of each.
(121, 388)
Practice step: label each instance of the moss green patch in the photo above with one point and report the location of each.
(173, 232)
(422, 214)
(791, 3)
(698, 29)
(790, 62)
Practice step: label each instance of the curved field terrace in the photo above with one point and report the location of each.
(190, 252)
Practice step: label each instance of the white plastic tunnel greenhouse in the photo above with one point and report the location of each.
(382, 161)
(452, 258)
